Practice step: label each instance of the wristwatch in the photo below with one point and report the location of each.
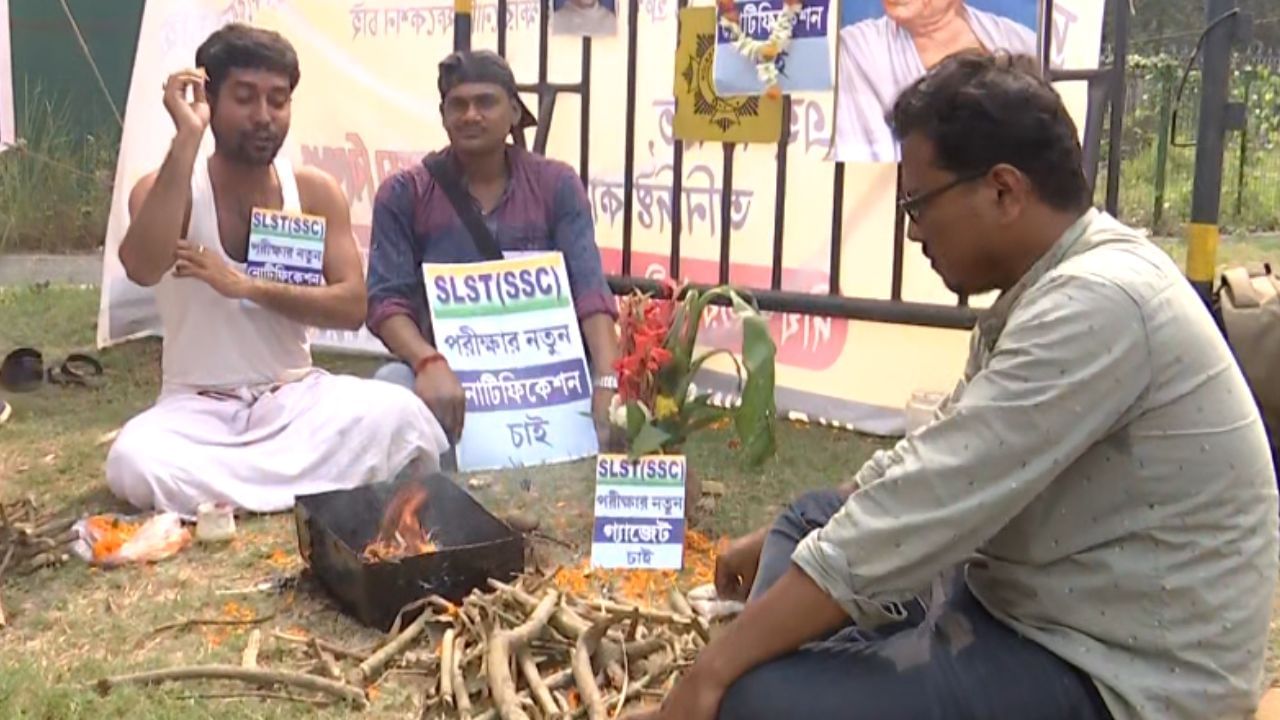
(607, 382)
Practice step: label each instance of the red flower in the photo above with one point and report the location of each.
(728, 9)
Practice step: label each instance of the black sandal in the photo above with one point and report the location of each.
(22, 370)
(76, 369)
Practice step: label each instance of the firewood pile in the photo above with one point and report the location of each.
(31, 540)
(521, 651)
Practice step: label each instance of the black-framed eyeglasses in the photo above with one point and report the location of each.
(913, 204)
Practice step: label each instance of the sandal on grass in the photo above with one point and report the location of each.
(22, 370)
(76, 369)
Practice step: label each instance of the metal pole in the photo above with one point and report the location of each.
(1162, 145)
(1206, 190)
(1115, 138)
(462, 24)
(1244, 152)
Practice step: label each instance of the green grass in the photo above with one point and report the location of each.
(55, 187)
(71, 625)
(1233, 250)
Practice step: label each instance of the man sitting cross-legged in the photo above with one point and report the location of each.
(243, 416)
(1087, 531)
(527, 203)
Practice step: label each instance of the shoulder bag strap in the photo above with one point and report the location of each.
(448, 181)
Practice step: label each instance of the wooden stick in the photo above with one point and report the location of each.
(461, 696)
(583, 675)
(44, 560)
(661, 616)
(320, 702)
(327, 663)
(678, 602)
(565, 621)
(639, 686)
(379, 659)
(249, 658)
(4, 565)
(332, 648)
(397, 624)
(501, 686)
(538, 688)
(49, 527)
(257, 676)
(446, 661)
(554, 681)
(191, 622)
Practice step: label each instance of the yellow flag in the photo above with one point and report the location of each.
(703, 116)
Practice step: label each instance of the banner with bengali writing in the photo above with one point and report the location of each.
(701, 113)
(362, 112)
(510, 333)
(805, 66)
(8, 131)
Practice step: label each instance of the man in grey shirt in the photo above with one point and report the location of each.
(1088, 529)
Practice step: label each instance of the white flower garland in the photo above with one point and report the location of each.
(755, 50)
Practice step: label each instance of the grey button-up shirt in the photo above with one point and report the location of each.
(1103, 469)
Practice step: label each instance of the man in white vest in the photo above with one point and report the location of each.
(243, 416)
(879, 57)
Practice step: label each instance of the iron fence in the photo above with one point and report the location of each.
(1157, 143)
(1107, 91)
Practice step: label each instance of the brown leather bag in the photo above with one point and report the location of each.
(1249, 300)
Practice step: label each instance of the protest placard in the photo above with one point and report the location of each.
(640, 519)
(509, 331)
(286, 247)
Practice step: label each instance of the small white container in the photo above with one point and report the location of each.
(921, 407)
(215, 522)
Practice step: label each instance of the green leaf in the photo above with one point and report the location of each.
(649, 440)
(755, 417)
(635, 419)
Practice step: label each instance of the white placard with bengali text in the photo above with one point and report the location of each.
(510, 333)
(639, 512)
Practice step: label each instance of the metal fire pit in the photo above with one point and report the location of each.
(334, 528)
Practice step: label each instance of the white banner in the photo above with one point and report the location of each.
(362, 112)
(8, 132)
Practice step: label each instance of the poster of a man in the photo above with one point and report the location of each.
(587, 18)
(885, 45)
(7, 132)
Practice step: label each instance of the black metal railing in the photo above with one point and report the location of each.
(1106, 92)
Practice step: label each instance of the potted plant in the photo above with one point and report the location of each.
(659, 406)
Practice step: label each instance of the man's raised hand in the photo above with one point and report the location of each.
(190, 117)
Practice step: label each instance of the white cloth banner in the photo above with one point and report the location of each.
(8, 131)
(362, 113)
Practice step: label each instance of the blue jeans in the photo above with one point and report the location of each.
(398, 373)
(960, 664)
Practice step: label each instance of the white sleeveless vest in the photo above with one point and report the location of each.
(212, 342)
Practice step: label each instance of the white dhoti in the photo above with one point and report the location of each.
(257, 450)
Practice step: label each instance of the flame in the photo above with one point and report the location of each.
(400, 534)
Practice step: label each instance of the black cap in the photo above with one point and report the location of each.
(482, 66)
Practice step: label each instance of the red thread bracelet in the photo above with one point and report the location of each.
(422, 364)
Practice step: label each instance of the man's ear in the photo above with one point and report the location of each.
(516, 114)
(1012, 189)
